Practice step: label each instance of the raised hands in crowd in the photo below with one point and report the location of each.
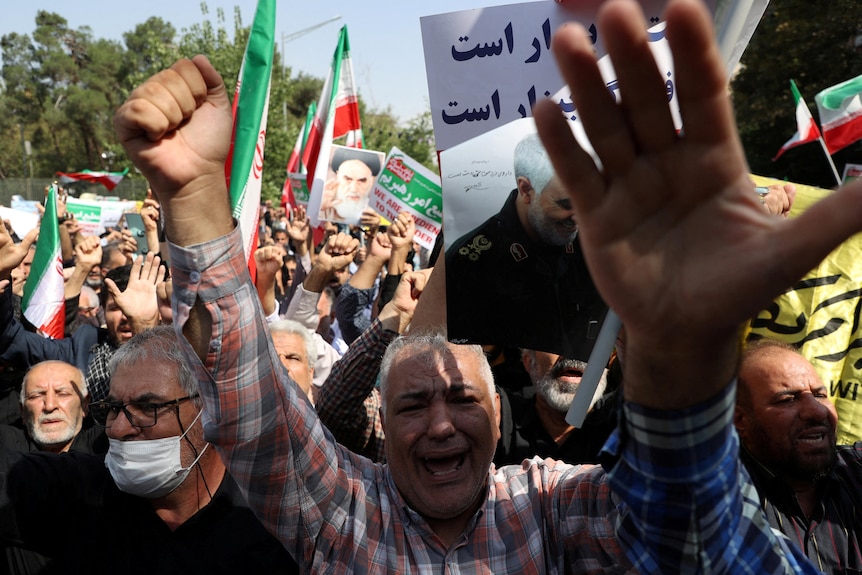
(778, 199)
(138, 301)
(11, 253)
(336, 255)
(682, 265)
(150, 215)
(88, 254)
(299, 231)
(268, 262)
(400, 234)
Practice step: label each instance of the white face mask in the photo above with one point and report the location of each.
(149, 468)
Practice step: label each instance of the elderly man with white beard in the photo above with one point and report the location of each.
(539, 424)
(53, 402)
(346, 194)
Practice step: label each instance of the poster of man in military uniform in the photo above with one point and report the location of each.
(517, 278)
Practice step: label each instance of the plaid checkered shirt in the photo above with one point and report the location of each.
(674, 500)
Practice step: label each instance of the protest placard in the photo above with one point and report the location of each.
(487, 67)
(21, 221)
(95, 216)
(299, 185)
(405, 184)
(351, 175)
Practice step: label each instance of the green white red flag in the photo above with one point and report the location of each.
(107, 179)
(44, 301)
(295, 165)
(840, 110)
(337, 116)
(244, 167)
(806, 128)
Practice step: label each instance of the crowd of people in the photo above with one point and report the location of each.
(319, 417)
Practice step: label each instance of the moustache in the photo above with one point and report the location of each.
(563, 365)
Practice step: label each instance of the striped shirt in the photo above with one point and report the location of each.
(681, 502)
(832, 536)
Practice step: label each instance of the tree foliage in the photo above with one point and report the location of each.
(61, 86)
(816, 43)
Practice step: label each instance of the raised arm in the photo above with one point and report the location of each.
(12, 254)
(400, 234)
(676, 241)
(190, 102)
(176, 127)
(267, 262)
(684, 252)
(88, 254)
(150, 211)
(349, 402)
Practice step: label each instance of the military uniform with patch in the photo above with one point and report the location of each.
(504, 288)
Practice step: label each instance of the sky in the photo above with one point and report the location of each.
(385, 37)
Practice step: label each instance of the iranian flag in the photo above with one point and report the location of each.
(840, 110)
(295, 165)
(244, 167)
(107, 179)
(44, 303)
(337, 116)
(806, 128)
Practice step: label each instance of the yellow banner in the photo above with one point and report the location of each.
(820, 314)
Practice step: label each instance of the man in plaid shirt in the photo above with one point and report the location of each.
(670, 221)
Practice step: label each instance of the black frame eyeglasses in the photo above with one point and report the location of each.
(139, 413)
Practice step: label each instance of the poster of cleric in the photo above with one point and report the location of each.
(350, 179)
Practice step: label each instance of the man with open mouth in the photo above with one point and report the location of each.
(808, 486)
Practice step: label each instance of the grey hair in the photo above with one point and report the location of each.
(79, 376)
(91, 296)
(532, 162)
(290, 326)
(439, 346)
(156, 345)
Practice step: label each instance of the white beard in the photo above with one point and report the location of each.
(350, 211)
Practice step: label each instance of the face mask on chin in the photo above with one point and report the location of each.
(149, 468)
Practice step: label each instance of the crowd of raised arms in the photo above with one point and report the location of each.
(323, 419)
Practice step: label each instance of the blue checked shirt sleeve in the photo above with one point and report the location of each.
(691, 505)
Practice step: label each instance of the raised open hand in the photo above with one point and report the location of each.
(675, 239)
(138, 301)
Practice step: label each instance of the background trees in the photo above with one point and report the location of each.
(818, 43)
(61, 86)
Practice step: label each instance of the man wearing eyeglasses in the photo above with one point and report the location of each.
(684, 266)
(160, 502)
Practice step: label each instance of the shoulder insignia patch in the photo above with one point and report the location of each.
(475, 248)
(519, 253)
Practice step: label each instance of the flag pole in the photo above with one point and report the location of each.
(829, 157)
